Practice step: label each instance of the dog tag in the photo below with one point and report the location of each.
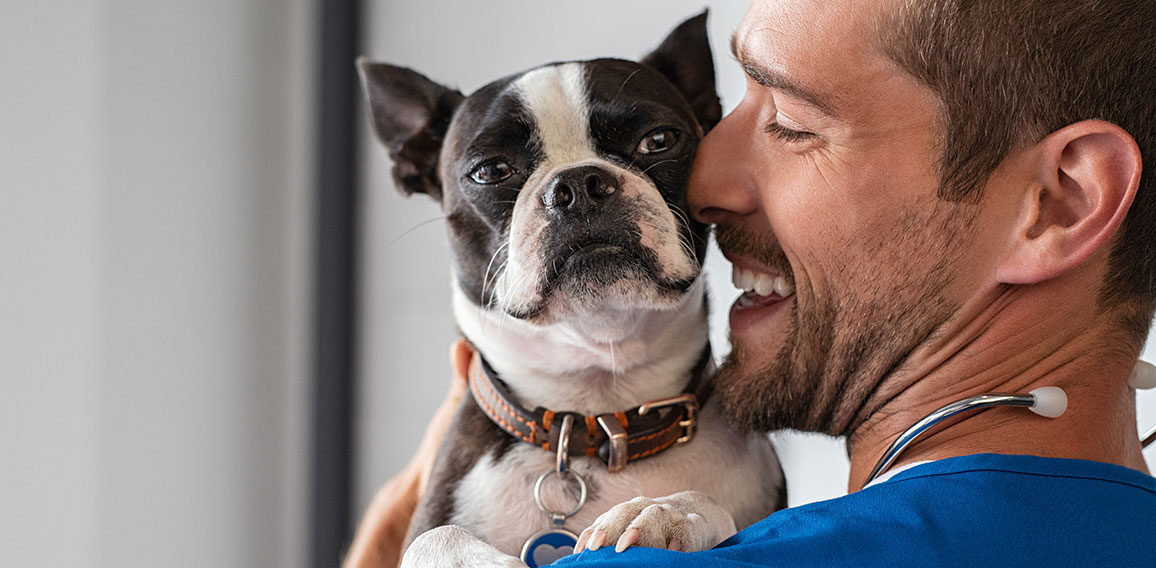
(548, 545)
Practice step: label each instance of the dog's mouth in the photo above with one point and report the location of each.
(600, 261)
(593, 268)
(593, 252)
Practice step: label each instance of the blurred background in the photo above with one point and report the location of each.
(221, 328)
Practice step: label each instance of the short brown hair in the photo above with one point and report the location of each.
(1010, 72)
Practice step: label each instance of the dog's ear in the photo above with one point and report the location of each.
(684, 57)
(410, 115)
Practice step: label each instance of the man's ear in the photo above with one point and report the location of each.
(1087, 174)
(684, 58)
(410, 115)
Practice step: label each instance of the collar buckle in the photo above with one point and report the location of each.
(617, 440)
(690, 405)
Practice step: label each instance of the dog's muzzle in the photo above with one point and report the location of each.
(581, 191)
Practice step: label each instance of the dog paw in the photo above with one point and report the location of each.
(688, 521)
(454, 546)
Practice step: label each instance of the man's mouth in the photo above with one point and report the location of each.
(760, 285)
(764, 290)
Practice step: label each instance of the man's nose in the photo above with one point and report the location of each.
(720, 185)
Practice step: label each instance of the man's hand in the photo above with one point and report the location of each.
(688, 521)
(381, 534)
(460, 355)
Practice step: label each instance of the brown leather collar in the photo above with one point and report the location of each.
(615, 437)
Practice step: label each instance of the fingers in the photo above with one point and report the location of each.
(380, 535)
(460, 355)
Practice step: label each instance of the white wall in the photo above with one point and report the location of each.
(154, 178)
(408, 325)
(49, 312)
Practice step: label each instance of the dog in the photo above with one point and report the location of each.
(577, 278)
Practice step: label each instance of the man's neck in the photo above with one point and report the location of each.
(1015, 340)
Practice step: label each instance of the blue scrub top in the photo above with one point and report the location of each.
(980, 510)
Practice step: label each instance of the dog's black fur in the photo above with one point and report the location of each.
(452, 147)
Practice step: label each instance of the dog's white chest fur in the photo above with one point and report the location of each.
(495, 500)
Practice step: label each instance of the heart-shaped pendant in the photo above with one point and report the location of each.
(548, 545)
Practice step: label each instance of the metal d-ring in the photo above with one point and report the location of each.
(561, 469)
(561, 463)
(554, 514)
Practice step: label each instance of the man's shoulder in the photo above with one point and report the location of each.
(968, 511)
(939, 511)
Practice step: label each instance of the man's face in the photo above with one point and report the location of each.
(825, 176)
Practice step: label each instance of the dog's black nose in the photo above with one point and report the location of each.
(580, 188)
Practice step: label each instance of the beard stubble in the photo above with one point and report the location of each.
(840, 347)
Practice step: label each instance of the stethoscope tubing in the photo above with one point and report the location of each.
(919, 428)
(1052, 404)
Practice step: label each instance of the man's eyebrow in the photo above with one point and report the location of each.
(775, 80)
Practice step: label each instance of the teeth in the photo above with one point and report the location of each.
(742, 279)
(764, 285)
(783, 288)
(760, 283)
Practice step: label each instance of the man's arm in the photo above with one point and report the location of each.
(381, 533)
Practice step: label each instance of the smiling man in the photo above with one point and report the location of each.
(935, 199)
(948, 224)
(949, 197)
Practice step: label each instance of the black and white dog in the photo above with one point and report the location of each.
(577, 278)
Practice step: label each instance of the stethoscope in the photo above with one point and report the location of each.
(1050, 402)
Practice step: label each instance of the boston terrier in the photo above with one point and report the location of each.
(577, 278)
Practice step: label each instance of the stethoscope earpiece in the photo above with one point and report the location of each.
(1143, 376)
(1051, 402)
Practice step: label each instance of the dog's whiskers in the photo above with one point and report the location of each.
(486, 280)
(660, 162)
(623, 85)
(407, 232)
(493, 289)
(685, 220)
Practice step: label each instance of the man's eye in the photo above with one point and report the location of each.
(657, 141)
(490, 172)
(786, 134)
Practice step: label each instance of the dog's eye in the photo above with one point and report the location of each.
(493, 171)
(658, 141)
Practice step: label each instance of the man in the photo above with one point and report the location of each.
(954, 188)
